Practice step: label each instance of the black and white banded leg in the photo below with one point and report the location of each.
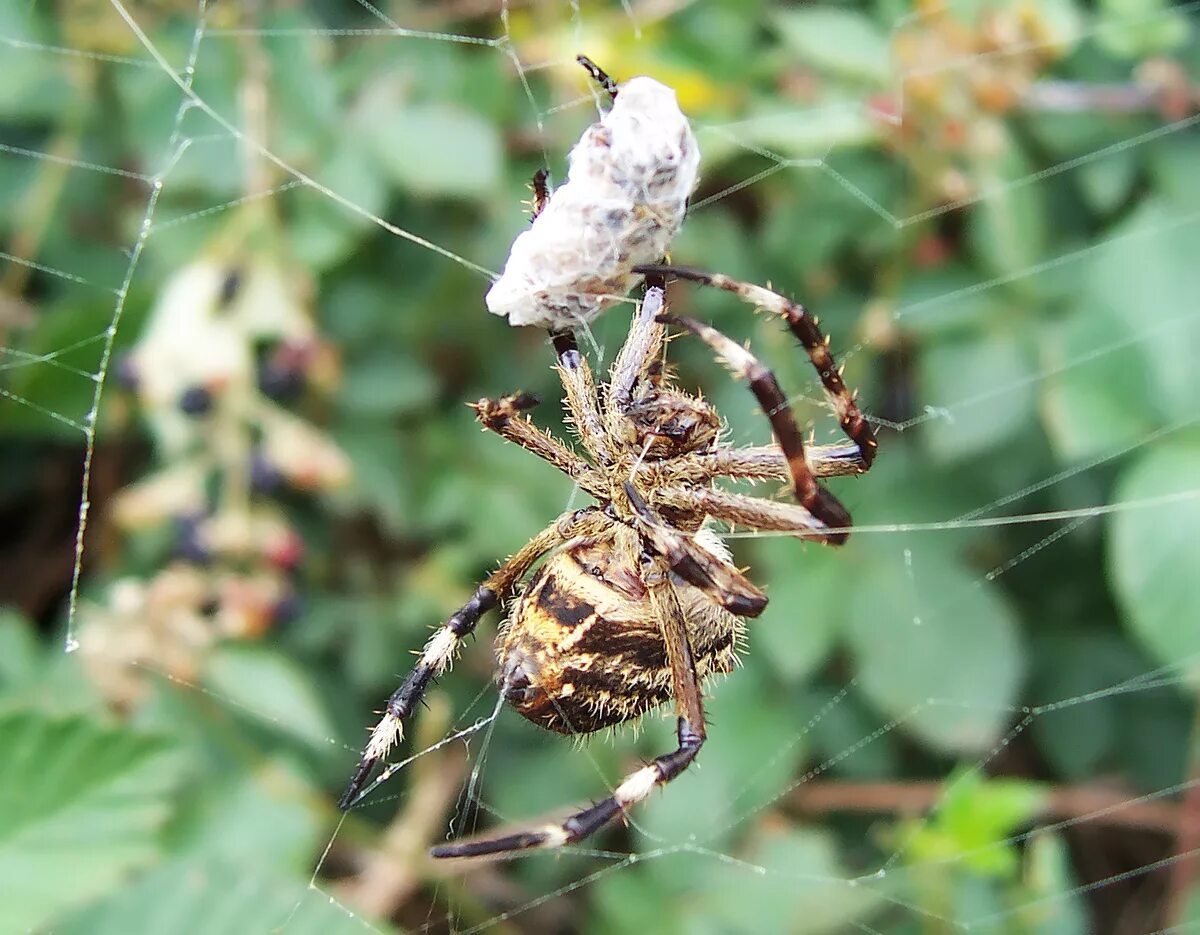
(599, 75)
(442, 648)
(637, 786)
(806, 329)
(715, 576)
(822, 504)
(633, 789)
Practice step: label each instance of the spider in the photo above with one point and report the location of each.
(636, 602)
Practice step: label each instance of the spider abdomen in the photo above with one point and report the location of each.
(583, 649)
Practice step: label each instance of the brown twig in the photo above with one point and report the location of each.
(1186, 869)
(1162, 87)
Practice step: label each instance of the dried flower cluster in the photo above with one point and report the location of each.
(228, 347)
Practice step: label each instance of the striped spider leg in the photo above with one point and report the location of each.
(811, 495)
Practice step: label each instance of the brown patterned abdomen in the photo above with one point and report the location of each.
(583, 649)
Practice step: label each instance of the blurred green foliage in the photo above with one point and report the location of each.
(1012, 285)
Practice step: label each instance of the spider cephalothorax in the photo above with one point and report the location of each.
(636, 602)
(667, 423)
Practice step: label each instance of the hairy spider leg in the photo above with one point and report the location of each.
(740, 510)
(540, 184)
(717, 578)
(505, 417)
(637, 786)
(634, 788)
(441, 648)
(599, 75)
(812, 496)
(805, 328)
(578, 383)
(639, 357)
(580, 397)
(755, 462)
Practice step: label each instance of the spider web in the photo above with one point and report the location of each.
(800, 832)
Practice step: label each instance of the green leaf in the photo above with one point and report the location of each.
(807, 587)
(1154, 550)
(810, 133)
(755, 747)
(383, 470)
(323, 232)
(844, 43)
(1153, 737)
(1094, 402)
(840, 722)
(435, 149)
(631, 900)
(1055, 906)
(972, 823)
(386, 382)
(304, 107)
(1136, 29)
(1076, 738)
(946, 300)
(80, 806)
(980, 814)
(1146, 274)
(1173, 166)
(978, 392)
(272, 690)
(1107, 182)
(36, 86)
(272, 813)
(1008, 226)
(20, 655)
(782, 878)
(936, 647)
(211, 897)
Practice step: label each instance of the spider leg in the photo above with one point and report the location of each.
(598, 75)
(441, 648)
(540, 185)
(804, 327)
(638, 355)
(694, 564)
(811, 495)
(757, 462)
(579, 396)
(504, 417)
(754, 512)
(689, 732)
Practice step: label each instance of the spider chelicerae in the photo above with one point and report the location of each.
(636, 602)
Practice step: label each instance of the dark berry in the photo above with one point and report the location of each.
(287, 609)
(281, 382)
(127, 375)
(230, 287)
(187, 540)
(195, 401)
(264, 476)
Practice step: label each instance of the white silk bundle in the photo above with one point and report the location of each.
(628, 182)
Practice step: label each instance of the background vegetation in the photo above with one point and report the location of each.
(996, 212)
